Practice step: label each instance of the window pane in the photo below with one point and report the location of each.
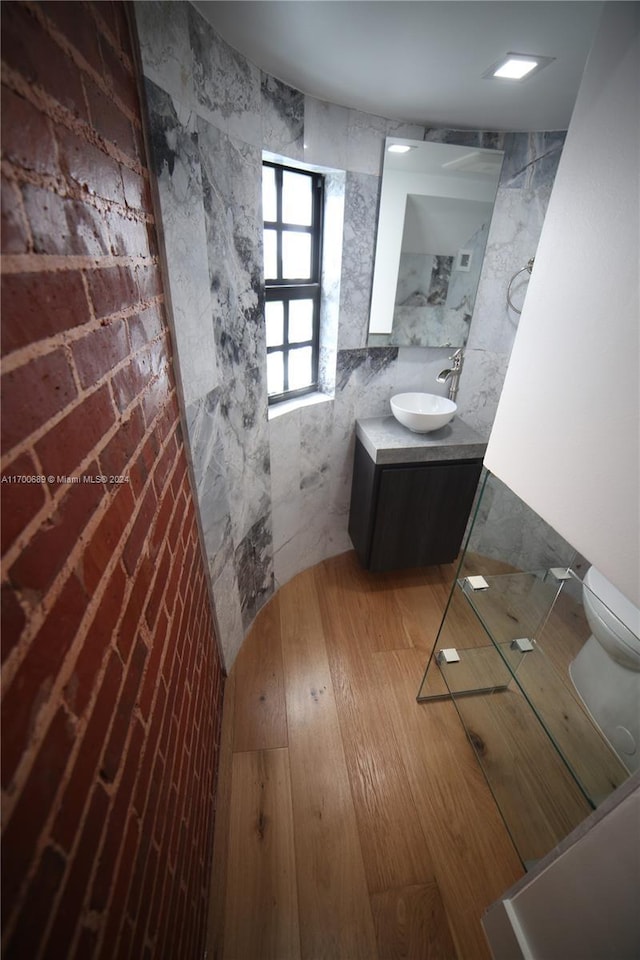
(274, 316)
(299, 368)
(300, 320)
(296, 198)
(275, 373)
(296, 255)
(269, 205)
(270, 254)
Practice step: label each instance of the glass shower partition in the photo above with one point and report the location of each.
(513, 624)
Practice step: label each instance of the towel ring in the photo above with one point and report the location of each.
(527, 269)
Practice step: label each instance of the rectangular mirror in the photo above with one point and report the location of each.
(436, 204)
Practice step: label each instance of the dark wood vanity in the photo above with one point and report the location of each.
(412, 493)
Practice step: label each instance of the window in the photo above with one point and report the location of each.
(292, 205)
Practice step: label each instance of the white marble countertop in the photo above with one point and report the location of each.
(387, 441)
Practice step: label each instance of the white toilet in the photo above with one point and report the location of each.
(606, 672)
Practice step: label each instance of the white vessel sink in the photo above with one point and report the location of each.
(422, 412)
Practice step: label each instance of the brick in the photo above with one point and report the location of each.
(100, 351)
(146, 895)
(154, 912)
(166, 914)
(106, 537)
(79, 31)
(140, 530)
(13, 620)
(149, 282)
(120, 891)
(114, 838)
(112, 290)
(129, 626)
(115, 457)
(138, 869)
(129, 236)
(123, 33)
(157, 594)
(13, 229)
(86, 165)
(133, 379)
(122, 716)
(37, 904)
(67, 444)
(84, 769)
(164, 467)
(32, 394)
(35, 676)
(159, 532)
(140, 145)
(136, 190)
(121, 80)
(62, 225)
(109, 120)
(177, 481)
(27, 137)
(143, 785)
(69, 908)
(20, 501)
(95, 649)
(44, 556)
(152, 678)
(104, 12)
(155, 397)
(23, 831)
(146, 326)
(30, 50)
(86, 946)
(42, 305)
(125, 943)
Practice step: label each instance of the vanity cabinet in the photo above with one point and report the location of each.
(411, 509)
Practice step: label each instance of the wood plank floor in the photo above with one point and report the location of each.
(352, 822)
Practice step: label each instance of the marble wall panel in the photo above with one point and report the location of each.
(326, 128)
(523, 194)
(227, 86)
(209, 465)
(334, 201)
(480, 387)
(254, 566)
(230, 172)
(227, 600)
(360, 219)
(507, 529)
(165, 48)
(365, 140)
(176, 163)
(282, 118)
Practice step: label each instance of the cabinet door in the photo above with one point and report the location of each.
(421, 514)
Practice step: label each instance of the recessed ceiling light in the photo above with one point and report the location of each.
(517, 66)
(399, 148)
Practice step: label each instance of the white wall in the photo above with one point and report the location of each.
(566, 437)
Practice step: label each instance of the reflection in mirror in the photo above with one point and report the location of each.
(436, 205)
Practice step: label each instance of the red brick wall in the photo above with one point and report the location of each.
(112, 680)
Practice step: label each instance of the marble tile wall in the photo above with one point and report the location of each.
(274, 493)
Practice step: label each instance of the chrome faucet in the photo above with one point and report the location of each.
(452, 373)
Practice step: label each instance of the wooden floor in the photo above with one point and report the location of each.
(352, 822)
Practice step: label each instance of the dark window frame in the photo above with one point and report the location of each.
(304, 288)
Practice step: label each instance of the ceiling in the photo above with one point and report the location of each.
(418, 61)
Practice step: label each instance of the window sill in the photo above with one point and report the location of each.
(287, 406)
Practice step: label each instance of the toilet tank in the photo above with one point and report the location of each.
(614, 620)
